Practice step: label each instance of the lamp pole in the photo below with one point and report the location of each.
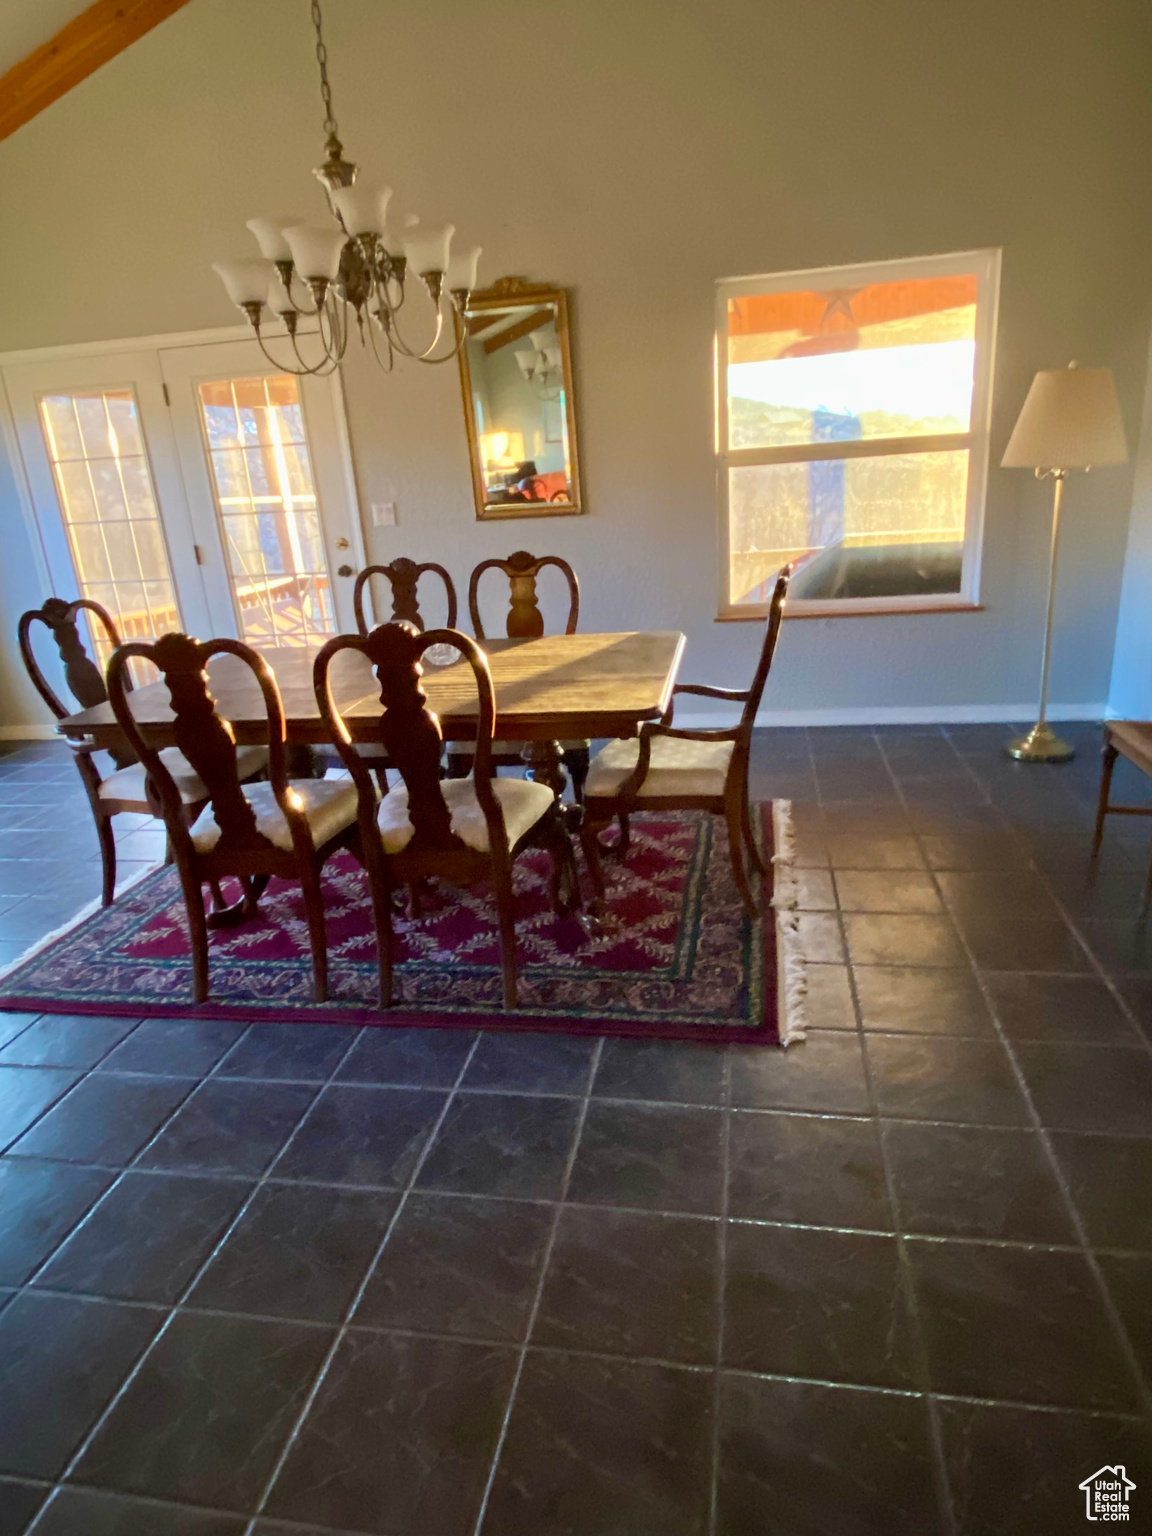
(1041, 744)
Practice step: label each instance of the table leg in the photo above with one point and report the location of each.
(545, 765)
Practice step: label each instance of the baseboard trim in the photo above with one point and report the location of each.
(37, 732)
(898, 714)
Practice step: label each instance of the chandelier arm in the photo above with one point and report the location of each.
(409, 351)
(317, 372)
(279, 366)
(385, 367)
(338, 330)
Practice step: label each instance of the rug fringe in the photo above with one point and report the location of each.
(85, 912)
(791, 969)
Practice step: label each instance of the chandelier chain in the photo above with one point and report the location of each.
(322, 61)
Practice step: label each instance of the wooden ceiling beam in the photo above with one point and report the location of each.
(524, 327)
(77, 51)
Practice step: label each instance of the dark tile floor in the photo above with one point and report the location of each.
(898, 1280)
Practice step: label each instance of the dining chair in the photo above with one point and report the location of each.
(666, 769)
(403, 576)
(460, 830)
(286, 827)
(127, 789)
(1131, 739)
(524, 622)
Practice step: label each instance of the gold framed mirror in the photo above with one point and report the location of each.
(519, 405)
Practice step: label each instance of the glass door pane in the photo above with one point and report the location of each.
(265, 495)
(109, 509)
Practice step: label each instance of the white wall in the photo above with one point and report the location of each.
(636, 153)
(1130, 697)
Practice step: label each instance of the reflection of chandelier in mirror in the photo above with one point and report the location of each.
(542, 366)
(315, 271)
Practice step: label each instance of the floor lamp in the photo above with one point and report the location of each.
(1070, 420)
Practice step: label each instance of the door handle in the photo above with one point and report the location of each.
(345, 570)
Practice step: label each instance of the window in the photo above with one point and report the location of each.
(852, 429)
(266, 500)
(109, 510)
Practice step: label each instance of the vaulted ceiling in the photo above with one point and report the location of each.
(25, 24)
(48, 46)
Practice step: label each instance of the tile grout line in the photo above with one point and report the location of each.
(1111, 1310)
(357, 1295)
(534, 1308)
(109, 1407)
(942, 1482)
(118, 1172)
(721, 1299)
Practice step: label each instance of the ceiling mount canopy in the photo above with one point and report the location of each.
(351, 271)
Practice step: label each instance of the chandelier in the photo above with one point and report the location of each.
(541, 366)
(351, 273)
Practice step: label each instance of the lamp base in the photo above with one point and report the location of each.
(1041, 745)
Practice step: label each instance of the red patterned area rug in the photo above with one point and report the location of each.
(678, 957)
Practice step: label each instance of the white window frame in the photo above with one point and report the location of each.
(986, 265)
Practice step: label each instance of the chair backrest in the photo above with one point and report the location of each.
(207, 740)
(767, 651)
(84, 678)
(525, 621)
(403, 575)
(410, 732)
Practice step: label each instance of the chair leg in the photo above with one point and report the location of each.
(381, 894)
(197, 934)
(624, 841)
(590, 843)
(563, 876)
(459, 765)
(502, 888)
(1109, 755)
(736, 850)
(107, 858)
(317, 929)
(577, 760)
(750, 843)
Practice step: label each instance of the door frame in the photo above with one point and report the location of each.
(156, 342)
(332, 385)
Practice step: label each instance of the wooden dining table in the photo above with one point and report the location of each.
(547, 690)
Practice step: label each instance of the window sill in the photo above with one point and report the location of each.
(848, 608)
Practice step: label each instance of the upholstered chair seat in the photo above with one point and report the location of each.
(128, 783)
(522, 802)
(329, 805)
(675, 768)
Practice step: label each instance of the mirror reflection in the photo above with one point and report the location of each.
(516, 379)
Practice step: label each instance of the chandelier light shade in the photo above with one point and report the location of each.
(348, 272)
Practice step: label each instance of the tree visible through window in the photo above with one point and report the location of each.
(853, 406)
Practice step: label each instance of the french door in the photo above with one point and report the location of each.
(106, 485)
(191, 487)
(267, 475)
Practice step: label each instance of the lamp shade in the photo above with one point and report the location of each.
(362, 209)
(246, 281)
(426, 247)
(316, 250)
(1070, 420)
(462, 269)
(270, 236)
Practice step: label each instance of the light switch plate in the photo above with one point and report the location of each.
(384, 514)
